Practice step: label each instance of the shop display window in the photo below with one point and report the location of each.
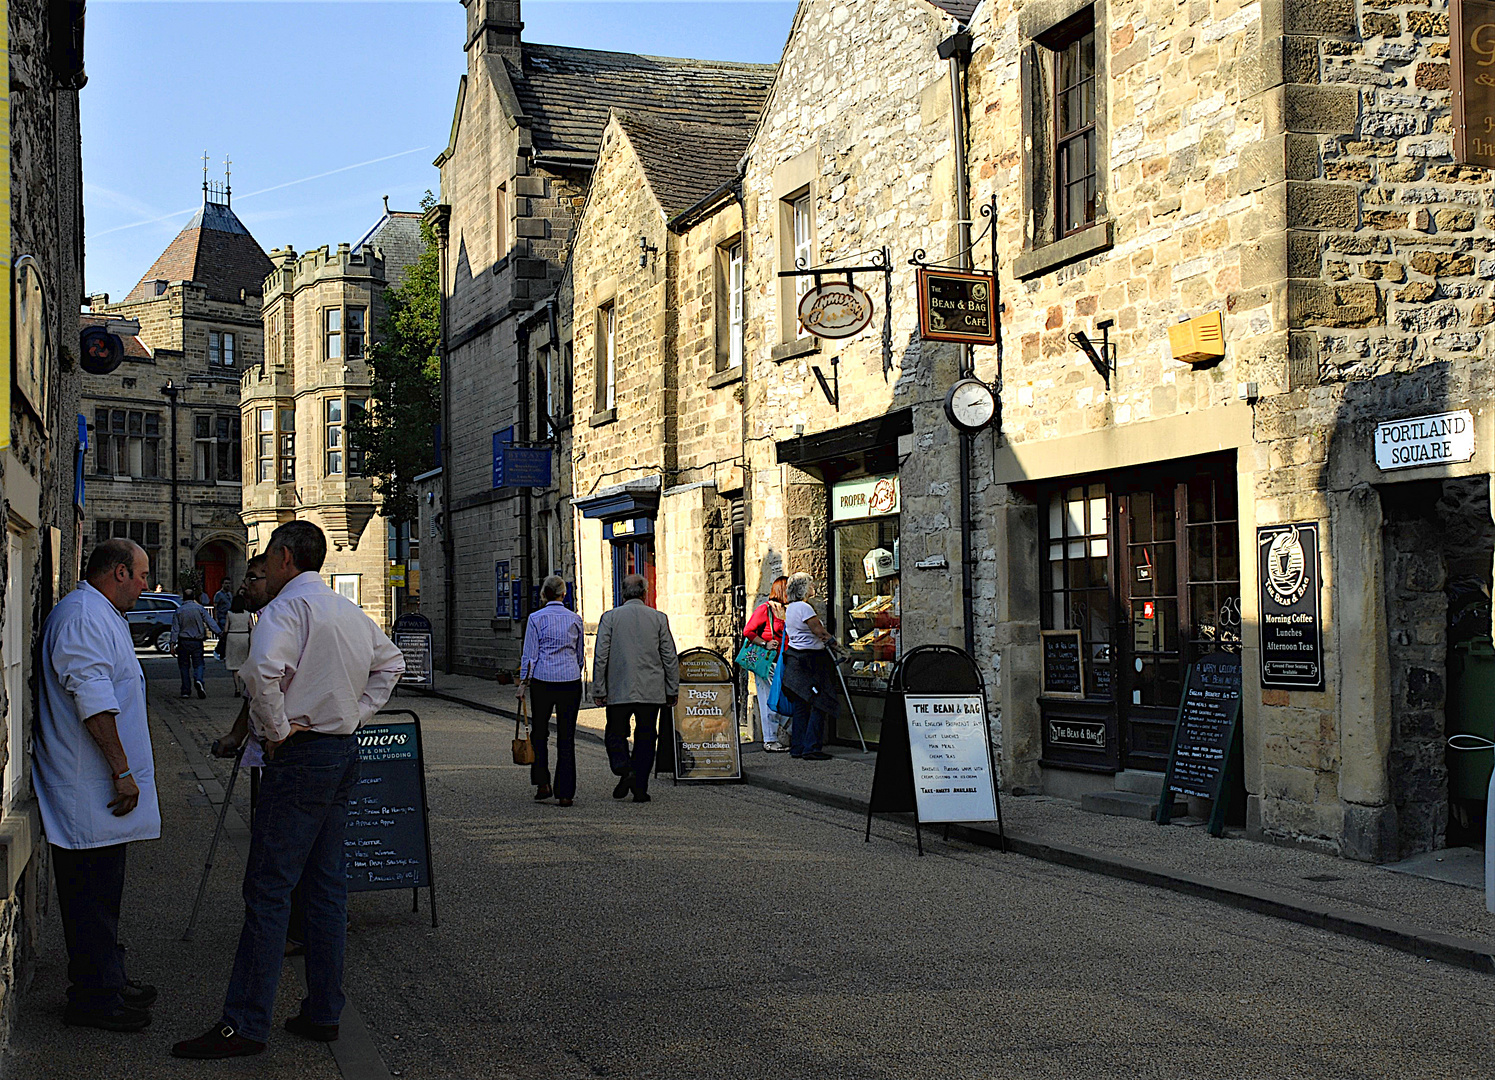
(866, 610)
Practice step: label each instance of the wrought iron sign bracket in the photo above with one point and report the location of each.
(831, 390)
(1103, 361)
(882, 263)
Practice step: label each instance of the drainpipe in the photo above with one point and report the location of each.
(956, 50)
(171, 390)
(439, 216)
(526, 500)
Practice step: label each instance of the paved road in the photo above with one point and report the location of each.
(728, 932)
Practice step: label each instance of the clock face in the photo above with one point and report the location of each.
(971, 404)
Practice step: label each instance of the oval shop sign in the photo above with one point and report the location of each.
(835, 309)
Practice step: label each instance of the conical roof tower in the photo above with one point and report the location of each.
(214, 250)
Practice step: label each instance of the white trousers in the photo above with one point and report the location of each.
(772, 723)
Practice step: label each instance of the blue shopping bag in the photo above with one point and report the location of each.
(778, 700)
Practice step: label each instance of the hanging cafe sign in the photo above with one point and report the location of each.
(957, 305)
(835, 310)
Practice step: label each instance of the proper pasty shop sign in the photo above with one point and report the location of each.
(951, 757)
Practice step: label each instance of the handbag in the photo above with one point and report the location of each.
(778, 700)
(524, 749)
(757, 659)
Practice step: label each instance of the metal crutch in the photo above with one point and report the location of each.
(852, 708)
(228, 798)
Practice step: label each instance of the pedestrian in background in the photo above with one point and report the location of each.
(318, 670)
(550, 671)
(222, 601)
(95, 778)
(190, 627)
(809, 675)
(235, 637)
(765, 628)
(635, 671)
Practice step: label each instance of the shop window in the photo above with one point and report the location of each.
(606, 353)
(127, 443)
(1214, 595)
(865, 596)
(1077, 581)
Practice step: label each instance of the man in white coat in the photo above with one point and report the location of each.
(95, 778)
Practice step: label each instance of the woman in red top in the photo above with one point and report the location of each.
(766, 627)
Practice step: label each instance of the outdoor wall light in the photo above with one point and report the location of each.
(644, 249)
(1102, 359)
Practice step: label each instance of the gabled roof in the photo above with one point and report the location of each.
(215, 250)
(135, 349)
(684, 163)
(397, 236)
(567, 93)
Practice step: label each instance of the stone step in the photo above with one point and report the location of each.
(1129, 804)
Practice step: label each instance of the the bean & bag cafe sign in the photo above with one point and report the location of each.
(957, 305)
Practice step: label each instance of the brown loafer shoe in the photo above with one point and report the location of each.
(563, 802)
(215, 1043)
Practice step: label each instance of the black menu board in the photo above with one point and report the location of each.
(387, 842)
(1206, 737)
(1063, 664)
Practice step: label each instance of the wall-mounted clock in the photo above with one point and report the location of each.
(971, 405)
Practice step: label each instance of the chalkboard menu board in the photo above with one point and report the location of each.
(1207, 735)
(388, 840)
(1063, 664)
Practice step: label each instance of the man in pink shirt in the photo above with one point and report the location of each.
(318, 670)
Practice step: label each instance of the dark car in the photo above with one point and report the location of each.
(150, 620)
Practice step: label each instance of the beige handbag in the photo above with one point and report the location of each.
(524, 748)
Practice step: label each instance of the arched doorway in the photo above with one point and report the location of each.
(218, 561)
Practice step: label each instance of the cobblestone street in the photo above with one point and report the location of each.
(734, 932)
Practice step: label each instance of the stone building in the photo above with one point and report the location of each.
(164, 465)
(523, 142)
(43, 250)
(1281, 180)
(1288, 170)
(319, 310)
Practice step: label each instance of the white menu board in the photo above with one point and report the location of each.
(952, 763)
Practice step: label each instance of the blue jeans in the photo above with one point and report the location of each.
(189, 663)
(297, 837)
(805, 728)
(644, 719)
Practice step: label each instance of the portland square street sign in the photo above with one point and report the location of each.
(957, 305)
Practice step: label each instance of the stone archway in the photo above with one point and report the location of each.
(219, 559)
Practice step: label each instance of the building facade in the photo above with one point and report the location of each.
(165, 467)
(514, 174)
(1241, 380)
(319, 311)
(43, 252)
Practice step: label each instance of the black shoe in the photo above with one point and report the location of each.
(119, 1018)
(642, 796)
(542, 793)
(219, 1042)
(138, 995)
(300, 1025)
(186, 693)
(817, 755)
(202, 691)
(625, 785)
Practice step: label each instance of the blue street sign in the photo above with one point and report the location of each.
(515, 466)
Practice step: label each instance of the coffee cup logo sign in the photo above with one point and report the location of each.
(1287, 574)
(835, 310)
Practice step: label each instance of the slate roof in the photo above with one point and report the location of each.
(684, 163)
(213, 249)
(135, 349)
(961, 9)
(397, 236)
(567, 93)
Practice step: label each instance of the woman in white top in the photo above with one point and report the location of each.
(809, 671)
(236, 639)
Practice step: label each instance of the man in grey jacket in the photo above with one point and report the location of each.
(634, 673)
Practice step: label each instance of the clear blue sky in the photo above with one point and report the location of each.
(291, 91)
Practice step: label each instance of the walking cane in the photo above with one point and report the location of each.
(850, 706)
(228, 798)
